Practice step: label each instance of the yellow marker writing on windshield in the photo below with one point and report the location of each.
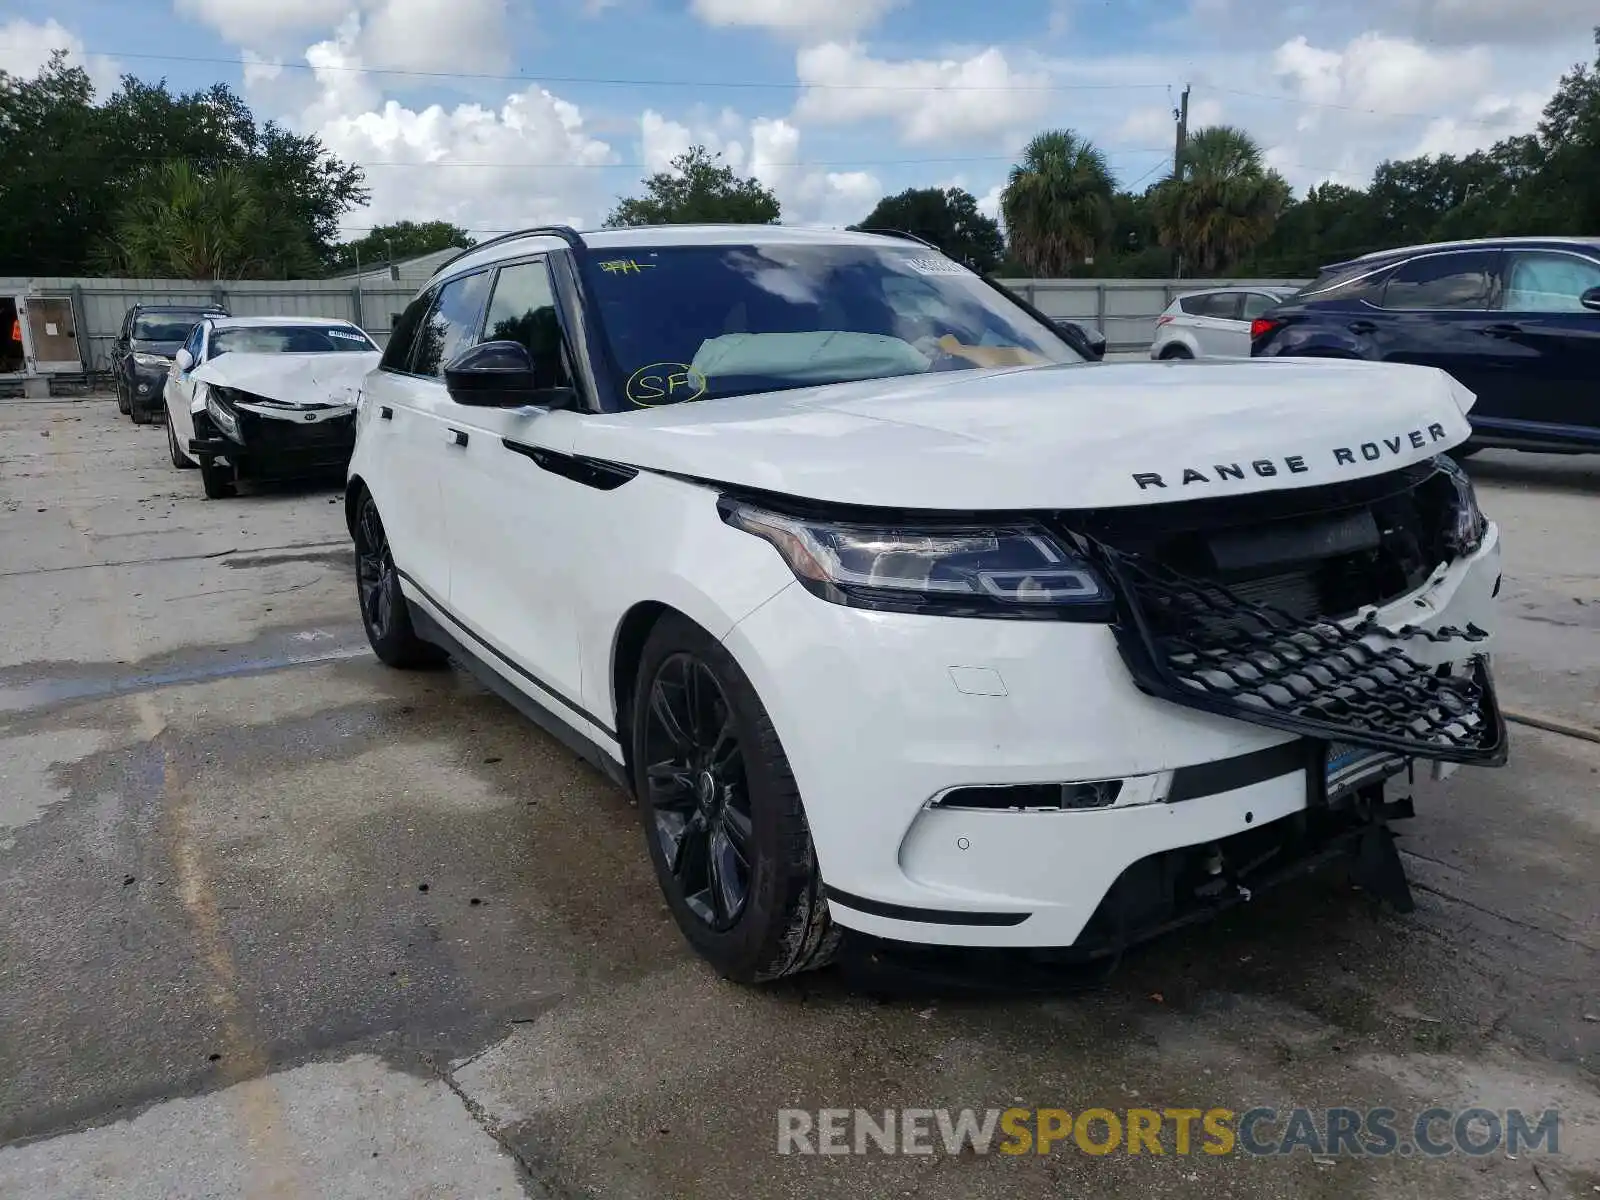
(665, 383)
(625, 266)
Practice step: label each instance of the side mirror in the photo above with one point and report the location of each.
(1091, 345)
(185, 360)
(1591, 299)
(499, 375)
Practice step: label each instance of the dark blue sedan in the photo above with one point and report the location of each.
(1516, 320)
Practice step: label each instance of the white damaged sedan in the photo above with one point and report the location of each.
(265, 398)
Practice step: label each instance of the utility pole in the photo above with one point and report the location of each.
(1182, 115)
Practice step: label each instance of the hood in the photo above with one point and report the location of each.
(1095, 436)
(302, 380)
(164, 349)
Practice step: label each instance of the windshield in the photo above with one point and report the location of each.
(164, 327)
(289, 339)
(697, 322)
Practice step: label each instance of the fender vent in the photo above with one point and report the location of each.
(1201, 644)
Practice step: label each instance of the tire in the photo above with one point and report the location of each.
(384, 613)
(703, 791)
(122, 400)
(217, 481)
(1177, 350)
(138, 417)
(178, 459)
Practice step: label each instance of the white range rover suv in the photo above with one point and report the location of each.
(896, 616)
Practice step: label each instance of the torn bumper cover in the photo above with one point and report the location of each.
(1200, 644)
(272, 440)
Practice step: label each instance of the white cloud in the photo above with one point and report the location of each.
(259, 70)
(1488, 120)
(804, 20)
(531, 159)
(526, 163)
(430, 35)
(258, 22)
(1493, 21)
(1383, 75)
(767, 148)
(930, 100)
(25, 47)
(397, 35)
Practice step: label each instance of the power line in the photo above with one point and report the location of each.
(776, 85)
(604, 81)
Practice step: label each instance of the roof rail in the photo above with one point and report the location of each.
(566, 233)
(899, 233)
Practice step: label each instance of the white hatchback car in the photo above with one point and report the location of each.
(896, 616)
(1214, 323)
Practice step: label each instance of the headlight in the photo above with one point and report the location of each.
(151, 360)
(219, 412)
(1016, 570)
(1466, 523)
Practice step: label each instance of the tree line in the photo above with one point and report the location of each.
(155, 183)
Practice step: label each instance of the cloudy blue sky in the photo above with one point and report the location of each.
(503, 113)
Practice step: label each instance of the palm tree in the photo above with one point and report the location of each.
(1057, 203)
(1222, 204)
(184, 223)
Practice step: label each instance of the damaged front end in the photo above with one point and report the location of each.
(1267, 610)
(265, 438)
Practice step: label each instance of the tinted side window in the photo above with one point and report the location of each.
(1442, 281)
(524, 310)
(1256, 303)
(452, 324)
(1539, 282)
(403, 334)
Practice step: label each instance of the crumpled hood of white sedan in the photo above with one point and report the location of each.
(1054, 437)
(303, 380)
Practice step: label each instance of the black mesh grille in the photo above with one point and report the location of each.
(1200, 643)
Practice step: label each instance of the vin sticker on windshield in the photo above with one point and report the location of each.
(935, 266)
(349, 337)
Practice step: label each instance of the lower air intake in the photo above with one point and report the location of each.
(1201, 644)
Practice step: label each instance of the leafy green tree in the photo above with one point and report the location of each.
(947, 217)
(1057, 203)
(53, 170)
(399, 241)
(1569, 136)
(69, 166)
(185, 223)
(1222, 204)
(698, 188)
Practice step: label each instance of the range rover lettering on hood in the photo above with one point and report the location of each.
(1296, 464)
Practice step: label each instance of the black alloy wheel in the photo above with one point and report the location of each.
(384, 613)
(699, 795)
(721, 812)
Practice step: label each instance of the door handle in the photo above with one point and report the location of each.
(456, 437)
(386, 413)
(1502, 330)
(1362, 327)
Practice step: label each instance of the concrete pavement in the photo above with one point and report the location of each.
(280, 922)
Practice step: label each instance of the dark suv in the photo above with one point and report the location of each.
(1516, 320)
(143, 353)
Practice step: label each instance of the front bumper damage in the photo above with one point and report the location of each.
(1230, 776)
(1198, 643)
(292, 442)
